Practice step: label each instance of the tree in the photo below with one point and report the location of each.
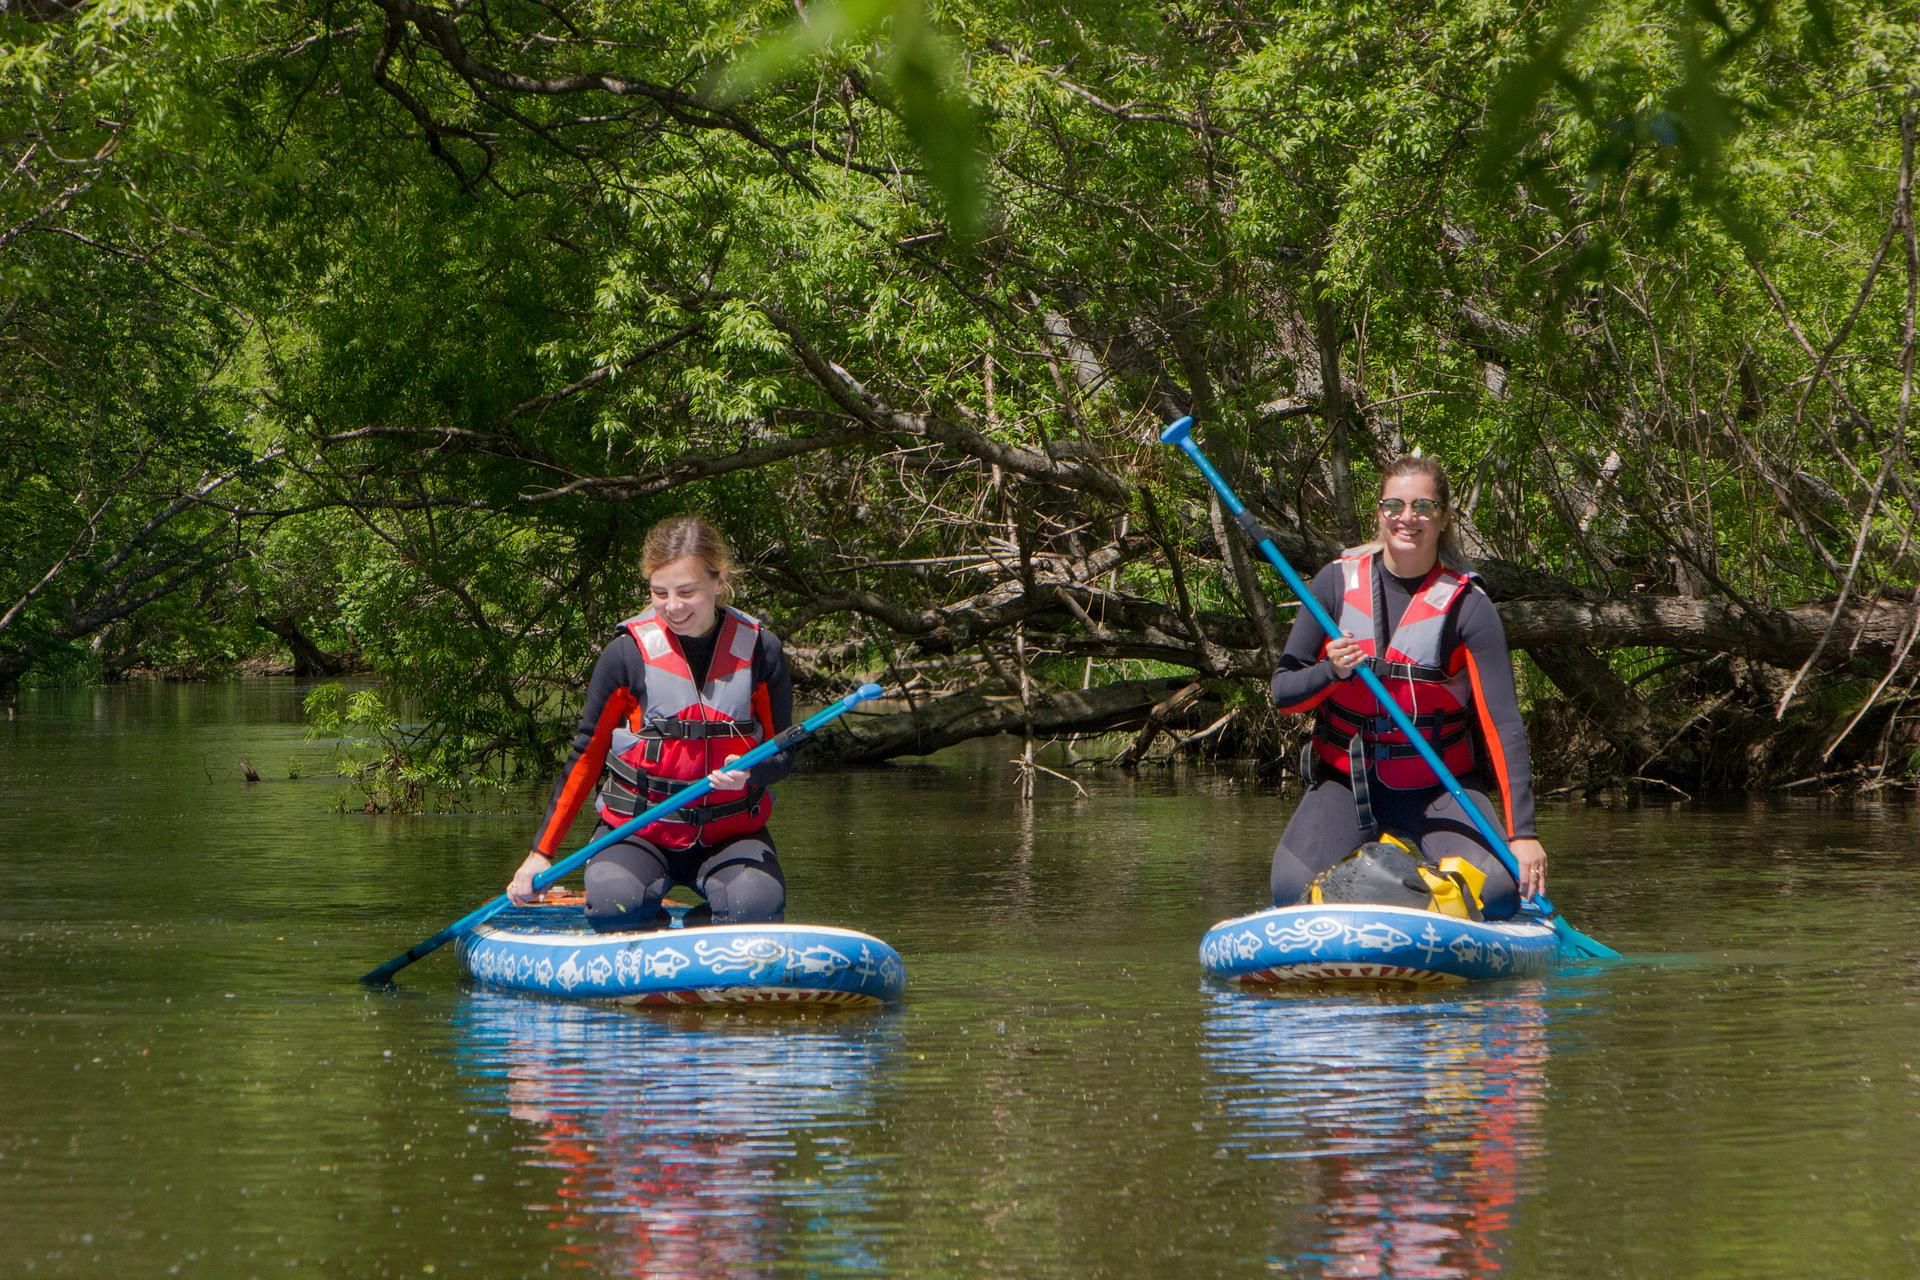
(123, 435)
(529, 280)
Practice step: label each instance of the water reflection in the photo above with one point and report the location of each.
(693, 1143)
(1410, 1124)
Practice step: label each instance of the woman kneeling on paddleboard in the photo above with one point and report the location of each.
(683, 688)
(1408, 604)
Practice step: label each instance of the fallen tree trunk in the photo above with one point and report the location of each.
(1565, 636)
(957, 717)
(1869, 633)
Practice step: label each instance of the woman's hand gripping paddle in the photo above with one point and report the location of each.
(1572, 941)
(784, 741)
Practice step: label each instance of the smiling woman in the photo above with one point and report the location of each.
(1407, 604)
(683, 688)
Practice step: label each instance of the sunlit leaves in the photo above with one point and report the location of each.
(742, 327)
(918, 78)
(1661, 92)
(1187, 202)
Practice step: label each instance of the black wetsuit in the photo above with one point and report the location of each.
(1326, 827)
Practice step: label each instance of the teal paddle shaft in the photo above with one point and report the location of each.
(786, 740)
(1180, 433)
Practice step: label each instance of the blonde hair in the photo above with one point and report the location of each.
(1412, 464)
(678, 537)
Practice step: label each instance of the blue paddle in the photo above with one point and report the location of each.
(1572, 941)
(786, 740)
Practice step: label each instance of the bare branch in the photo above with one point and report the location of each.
(868, 407)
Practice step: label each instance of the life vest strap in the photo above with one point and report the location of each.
(1406, 750)
(637, 778)
(1438, 737)
(1361, 783)
(697, 729)
(1432, 724)
(626, 801)
(1416, 672)
(620, 769)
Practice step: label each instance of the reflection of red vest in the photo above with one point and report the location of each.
(1352, 724)
(682, 732)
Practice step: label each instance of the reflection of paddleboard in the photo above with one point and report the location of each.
(689, 1144)
(1375, 945)
(1412, 1123)
(550, 950)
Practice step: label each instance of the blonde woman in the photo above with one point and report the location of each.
(1408, 604)
(684, 687)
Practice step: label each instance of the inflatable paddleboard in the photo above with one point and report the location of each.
(549, 949)
(1329, 943)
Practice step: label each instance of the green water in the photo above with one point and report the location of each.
(195, 1084)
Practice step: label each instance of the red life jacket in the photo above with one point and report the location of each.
(682, 732)
(1352, 727)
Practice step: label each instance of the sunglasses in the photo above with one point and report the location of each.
(1422, 508)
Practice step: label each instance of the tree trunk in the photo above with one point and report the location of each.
(309, 659)
(958, 717)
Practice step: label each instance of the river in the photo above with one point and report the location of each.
(196, 1085)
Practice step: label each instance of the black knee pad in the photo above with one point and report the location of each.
(747, 889)
(620, 901)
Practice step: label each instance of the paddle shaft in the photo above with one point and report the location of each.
(786, 740)
(1178, 433)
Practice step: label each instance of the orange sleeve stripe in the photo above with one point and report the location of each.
(1491, 737)
(1306, 704)
(586, 772)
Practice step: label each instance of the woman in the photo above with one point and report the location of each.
(1407, 603)
(682, 689)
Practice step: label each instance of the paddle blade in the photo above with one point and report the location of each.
(383, 976)
(1577, 945)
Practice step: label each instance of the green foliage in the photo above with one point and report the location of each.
(394, 767)
(1661, 95)
(917, 67)
(460, 342)
(124, 447)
